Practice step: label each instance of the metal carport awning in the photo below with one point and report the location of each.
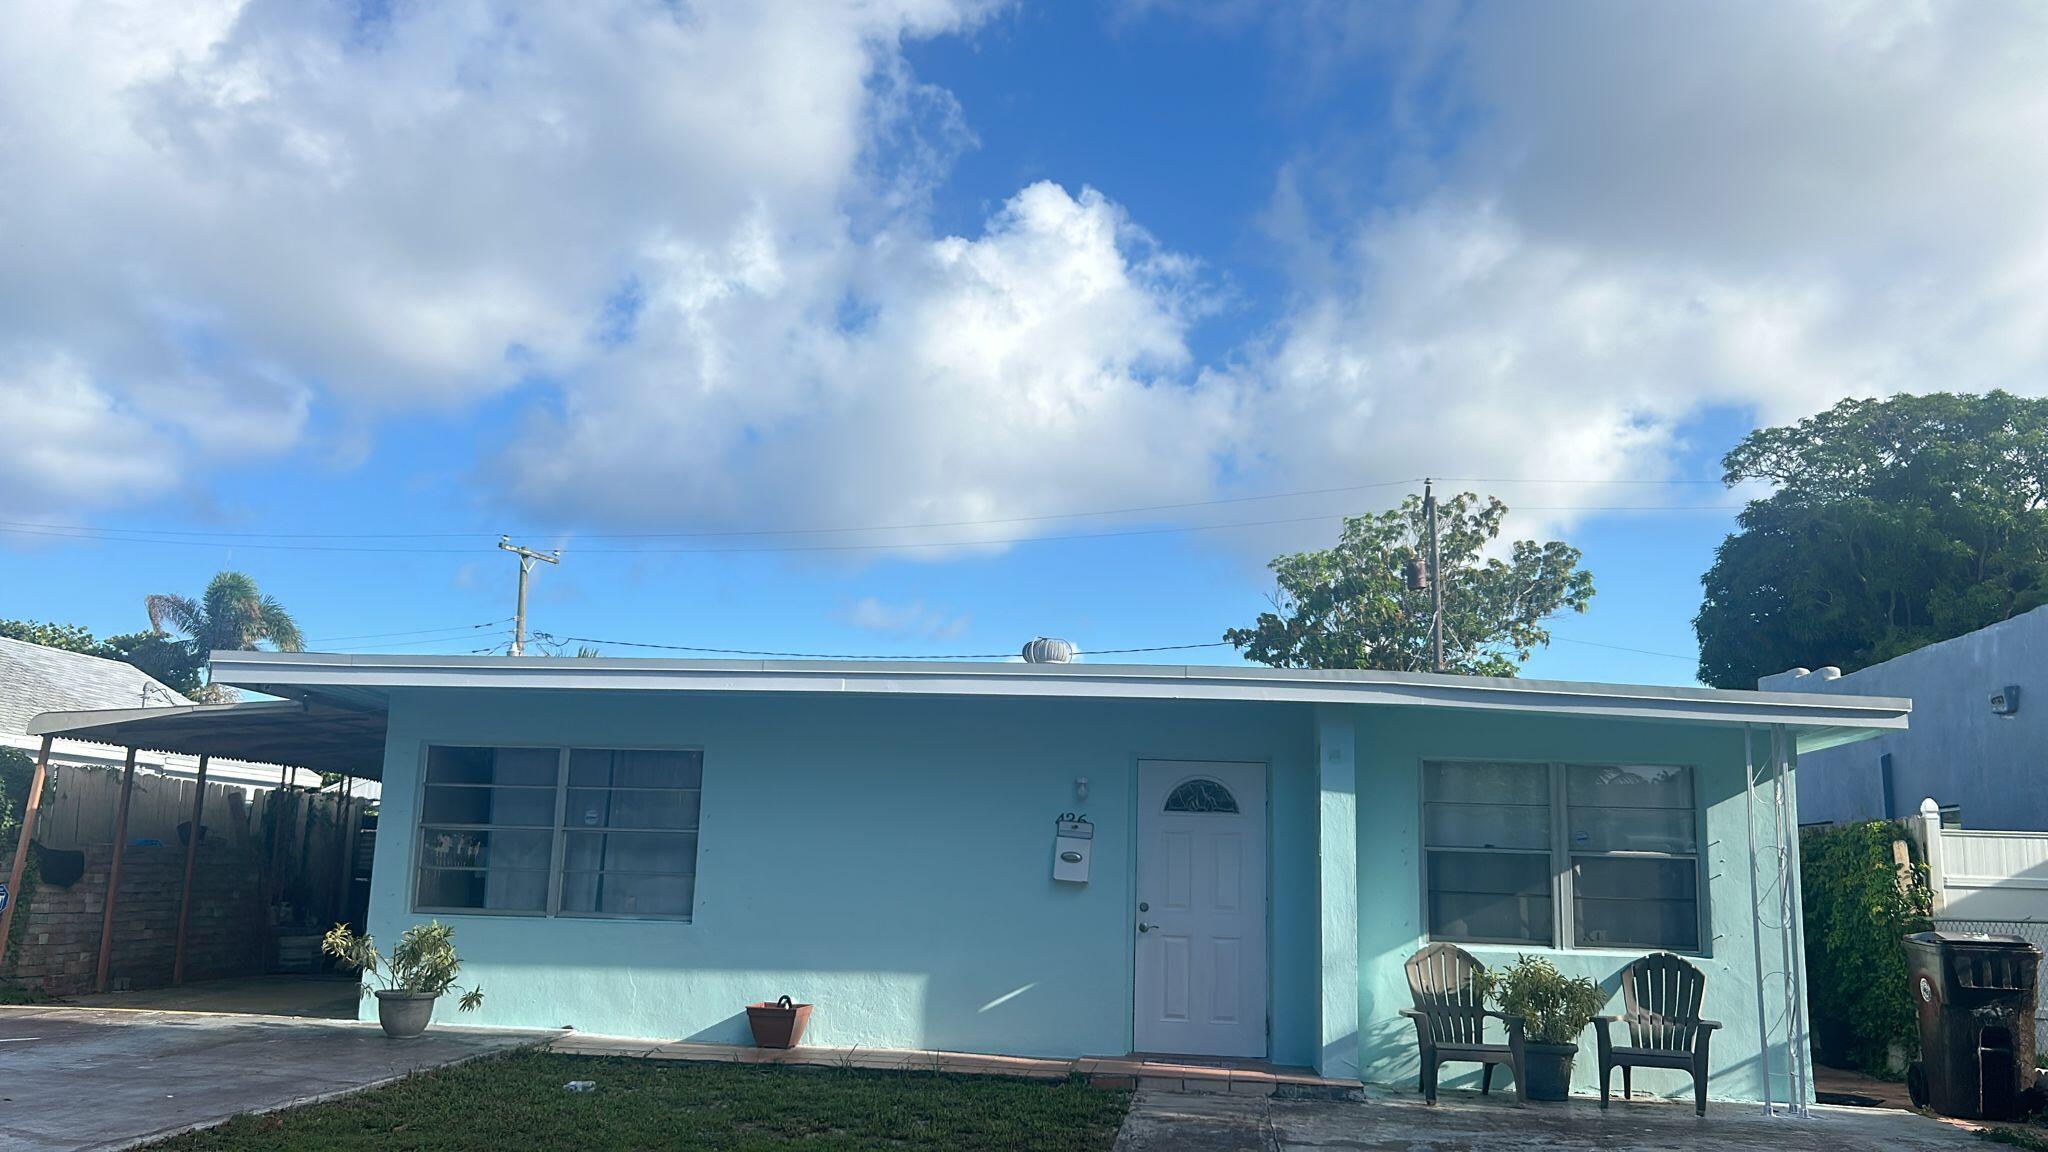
(289, 733)
(319, 737)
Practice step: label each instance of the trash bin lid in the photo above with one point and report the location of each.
(1972, 939)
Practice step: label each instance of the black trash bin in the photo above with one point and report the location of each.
(1975, 995)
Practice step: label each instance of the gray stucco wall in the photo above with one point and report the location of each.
(1956, 749)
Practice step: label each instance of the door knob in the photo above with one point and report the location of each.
(1144, 927)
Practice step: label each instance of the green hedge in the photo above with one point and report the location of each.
(17, 772)
(1857, 908)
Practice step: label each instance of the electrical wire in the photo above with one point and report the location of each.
(461, 639)
(553, 638)
(1624, 648)
(417, 632)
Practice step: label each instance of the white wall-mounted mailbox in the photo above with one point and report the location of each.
(1072, 843)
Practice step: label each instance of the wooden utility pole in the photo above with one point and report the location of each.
(527, 557)
(1436, 582)
(28, 831)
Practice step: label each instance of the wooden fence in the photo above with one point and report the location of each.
(309, 866)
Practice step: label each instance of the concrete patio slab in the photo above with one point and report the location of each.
(327, 997)
(1159, 1121)
(85, 1078)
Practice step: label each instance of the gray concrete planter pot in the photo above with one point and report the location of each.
(1548, 1069)
(403, 1014)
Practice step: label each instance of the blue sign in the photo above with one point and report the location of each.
(3, 896)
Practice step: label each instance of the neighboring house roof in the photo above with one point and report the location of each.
(36, 679)
(365, 681)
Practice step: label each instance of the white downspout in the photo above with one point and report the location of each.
(1756, 930)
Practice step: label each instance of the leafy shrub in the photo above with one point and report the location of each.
(1858, 906)
(424, 961)
(1554, 1009)
(17, 772)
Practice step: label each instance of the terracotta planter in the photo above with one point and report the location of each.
(778, 1025)
(404, 1015)
(1549, 1070)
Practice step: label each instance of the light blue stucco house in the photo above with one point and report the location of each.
(643, 847)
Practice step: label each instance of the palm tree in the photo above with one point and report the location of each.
(231, 614)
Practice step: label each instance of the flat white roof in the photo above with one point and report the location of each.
(365, 680)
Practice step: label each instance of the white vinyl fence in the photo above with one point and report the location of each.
(1995, 882)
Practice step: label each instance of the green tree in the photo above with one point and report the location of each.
(1893, 524)
(169, 661)
(232, 614)
(1351, 607)
(172, 661)
(69, 637)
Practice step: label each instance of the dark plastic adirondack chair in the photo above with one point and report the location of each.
(1662, 994)
(1450, 1018)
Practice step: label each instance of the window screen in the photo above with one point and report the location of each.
(1486, 830)
(1600, 855)
(1634, 856)
(552, 831)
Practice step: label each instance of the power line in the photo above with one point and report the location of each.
(468, 638)
(557, 639)
(1624, 648)
(417, 632)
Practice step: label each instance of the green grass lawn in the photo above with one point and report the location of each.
(518, 1101)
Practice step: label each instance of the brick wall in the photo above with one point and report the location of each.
(60, 947)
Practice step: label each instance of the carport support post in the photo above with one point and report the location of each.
(28, 830)
(1337, 890)
(343, 834)
(114, 872)
(191, 863)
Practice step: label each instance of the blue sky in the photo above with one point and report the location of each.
(335, 295)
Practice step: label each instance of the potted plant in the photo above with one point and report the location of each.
(779, 1024)
(1554, 1010)
(419, 970)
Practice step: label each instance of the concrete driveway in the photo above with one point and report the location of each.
(73, 1078)
(1159, 1121)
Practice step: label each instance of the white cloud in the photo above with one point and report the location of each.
(67, 439)
(697, 237)
(1657, 210)
(1029, 370)
(217, 212)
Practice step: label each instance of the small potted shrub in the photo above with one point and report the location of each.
(1554, 1010)
(419, 970)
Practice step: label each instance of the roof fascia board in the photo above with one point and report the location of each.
(274, 672)
(73, 724)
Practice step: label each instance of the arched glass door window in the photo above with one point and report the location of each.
(1201, 795)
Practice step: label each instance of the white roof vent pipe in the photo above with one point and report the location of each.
(1049, 650)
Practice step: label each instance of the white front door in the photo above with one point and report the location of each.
(1201, 917)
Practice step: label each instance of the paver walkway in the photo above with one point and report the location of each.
(1384, 1122)
(75, 1078)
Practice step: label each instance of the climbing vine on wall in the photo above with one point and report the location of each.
(1859, 902)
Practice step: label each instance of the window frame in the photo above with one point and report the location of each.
(1563, 869)
(559, 847)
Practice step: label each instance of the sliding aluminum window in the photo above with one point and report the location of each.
(559, 831)
(1556, 855)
